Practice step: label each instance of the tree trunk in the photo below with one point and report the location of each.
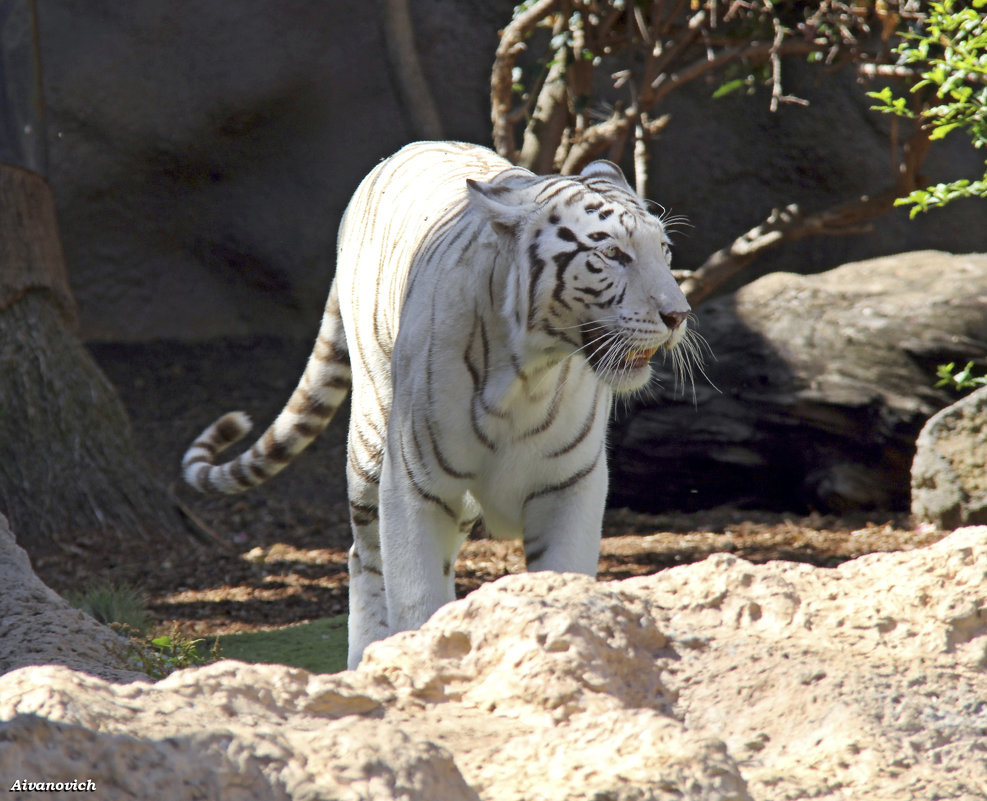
(70, 475)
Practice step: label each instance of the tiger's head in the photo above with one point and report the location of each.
(592, 270)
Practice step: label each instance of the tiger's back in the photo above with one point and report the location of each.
(382, 234)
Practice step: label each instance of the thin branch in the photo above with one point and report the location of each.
(871, 70)
(658, 65)
(790, 224)
(665, 84)
(197, 529)
(640, 160)
(671, 17)
(501, 80)
(775, 57)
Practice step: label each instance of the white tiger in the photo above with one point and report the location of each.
(484, 317)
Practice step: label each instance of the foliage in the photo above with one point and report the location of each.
(959, 380)
(124, 609)
(948, 52)
(162, 655)
(114, 604)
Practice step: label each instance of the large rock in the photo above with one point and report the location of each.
(949, 474)
(822, 384)
(714, 681)
(202, 153)
(38, 627)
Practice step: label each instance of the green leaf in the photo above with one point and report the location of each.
(940, 131)
(730, 86)
(884, 95)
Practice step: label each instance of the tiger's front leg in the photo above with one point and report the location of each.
(420, 536)
(563, 524)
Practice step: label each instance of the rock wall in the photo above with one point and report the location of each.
(709, 682)
(202, 153)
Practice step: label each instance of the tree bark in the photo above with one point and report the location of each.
(70, 475)
(30, 251)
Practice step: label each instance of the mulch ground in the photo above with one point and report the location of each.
(277, 555)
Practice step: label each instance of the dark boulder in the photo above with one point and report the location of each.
(822, 384)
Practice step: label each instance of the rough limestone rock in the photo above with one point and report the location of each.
(37, 626)
(867, 681)
(715, 681)
(949, 474)
(818, 388)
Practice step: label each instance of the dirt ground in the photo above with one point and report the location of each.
(277, 555)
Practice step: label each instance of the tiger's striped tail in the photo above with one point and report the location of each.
(319, 393)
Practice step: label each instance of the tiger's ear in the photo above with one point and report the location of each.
(608, 171)
(503, 201)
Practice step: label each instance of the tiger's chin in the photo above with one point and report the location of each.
(626, 375)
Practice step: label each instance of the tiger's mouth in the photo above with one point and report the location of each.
(626, 365)
(636, 358)
(608, 355)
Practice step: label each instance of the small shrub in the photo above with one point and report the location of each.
(160, 656)
(959, 380)
(124, 609)
(115, 605)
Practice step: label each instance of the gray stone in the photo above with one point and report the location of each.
(949, 474)
(39, 627)
(202, 153)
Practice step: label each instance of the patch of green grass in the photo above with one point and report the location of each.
(318, 646)
(124, 609)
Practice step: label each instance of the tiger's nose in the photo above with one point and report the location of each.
(673, 319)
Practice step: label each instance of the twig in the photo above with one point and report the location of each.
(640, 160)
(776, 64)
(871, 70)
(196, 527)
(754, 52)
